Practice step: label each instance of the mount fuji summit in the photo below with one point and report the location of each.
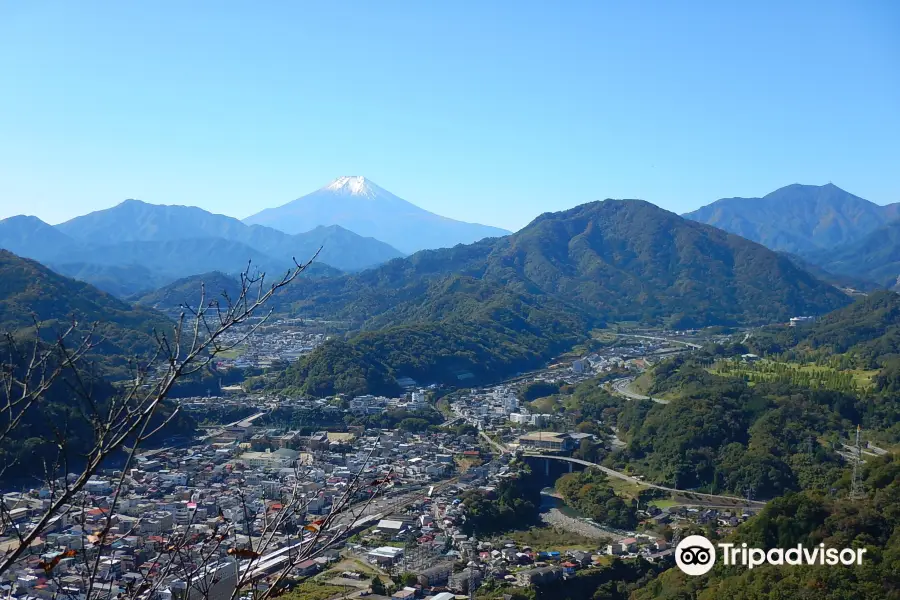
(361, 206)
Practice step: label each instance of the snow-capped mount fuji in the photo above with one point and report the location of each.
(358, 204)
(354, 185)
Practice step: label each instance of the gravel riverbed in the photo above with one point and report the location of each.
(555, 518)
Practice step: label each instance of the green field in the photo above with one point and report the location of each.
(314, 590)
(803, 374)
(624, 488)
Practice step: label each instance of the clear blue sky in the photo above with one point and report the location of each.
(484, 111)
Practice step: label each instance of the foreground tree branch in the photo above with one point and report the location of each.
(32, 368)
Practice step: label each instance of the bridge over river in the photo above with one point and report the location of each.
(543, 461)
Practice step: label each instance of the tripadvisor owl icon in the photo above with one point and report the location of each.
(695, 555)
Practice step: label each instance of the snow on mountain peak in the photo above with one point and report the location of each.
(353, 186)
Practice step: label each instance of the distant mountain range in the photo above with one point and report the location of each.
(359, 205)
(534, 291)
(798, 218)
(841, 234)
(875, 257)
(135, 247)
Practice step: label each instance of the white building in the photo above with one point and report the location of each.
(800, 321)
(283, 457)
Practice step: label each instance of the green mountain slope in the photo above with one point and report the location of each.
(868, 331)
(187, 290)
(28, 289)
(798, 218)
(809, 518)
(565, 272)
(617, 259)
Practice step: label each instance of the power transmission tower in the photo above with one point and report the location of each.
(474, 581)
(856, 488)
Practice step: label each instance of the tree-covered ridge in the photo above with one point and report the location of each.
(868, 331)
(589, 491)
(187, 291)
(809, 518)
(624, 259)
(514, 504)
(454, 352)
(64, 413)
(726, 434)
(515, 301)
(29, 290)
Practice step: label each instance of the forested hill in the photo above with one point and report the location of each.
(868, 331)
(619, 259)
(187, 290)
(28, 290)
(532, 292)
(809, 518)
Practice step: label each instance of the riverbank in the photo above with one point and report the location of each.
(555, 518)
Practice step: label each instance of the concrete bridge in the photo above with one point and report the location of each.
(571, 464)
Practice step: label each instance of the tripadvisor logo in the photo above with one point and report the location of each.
(696, 555)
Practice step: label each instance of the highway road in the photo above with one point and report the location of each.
(620, 386)
(661, 339)
(620, 475)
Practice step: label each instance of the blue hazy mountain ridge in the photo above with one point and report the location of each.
(136, 221)
(180, 258)
(122, 281)
(135, 247)
(801, 219)
(30, 237)
(363, 207)
(875, 257)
